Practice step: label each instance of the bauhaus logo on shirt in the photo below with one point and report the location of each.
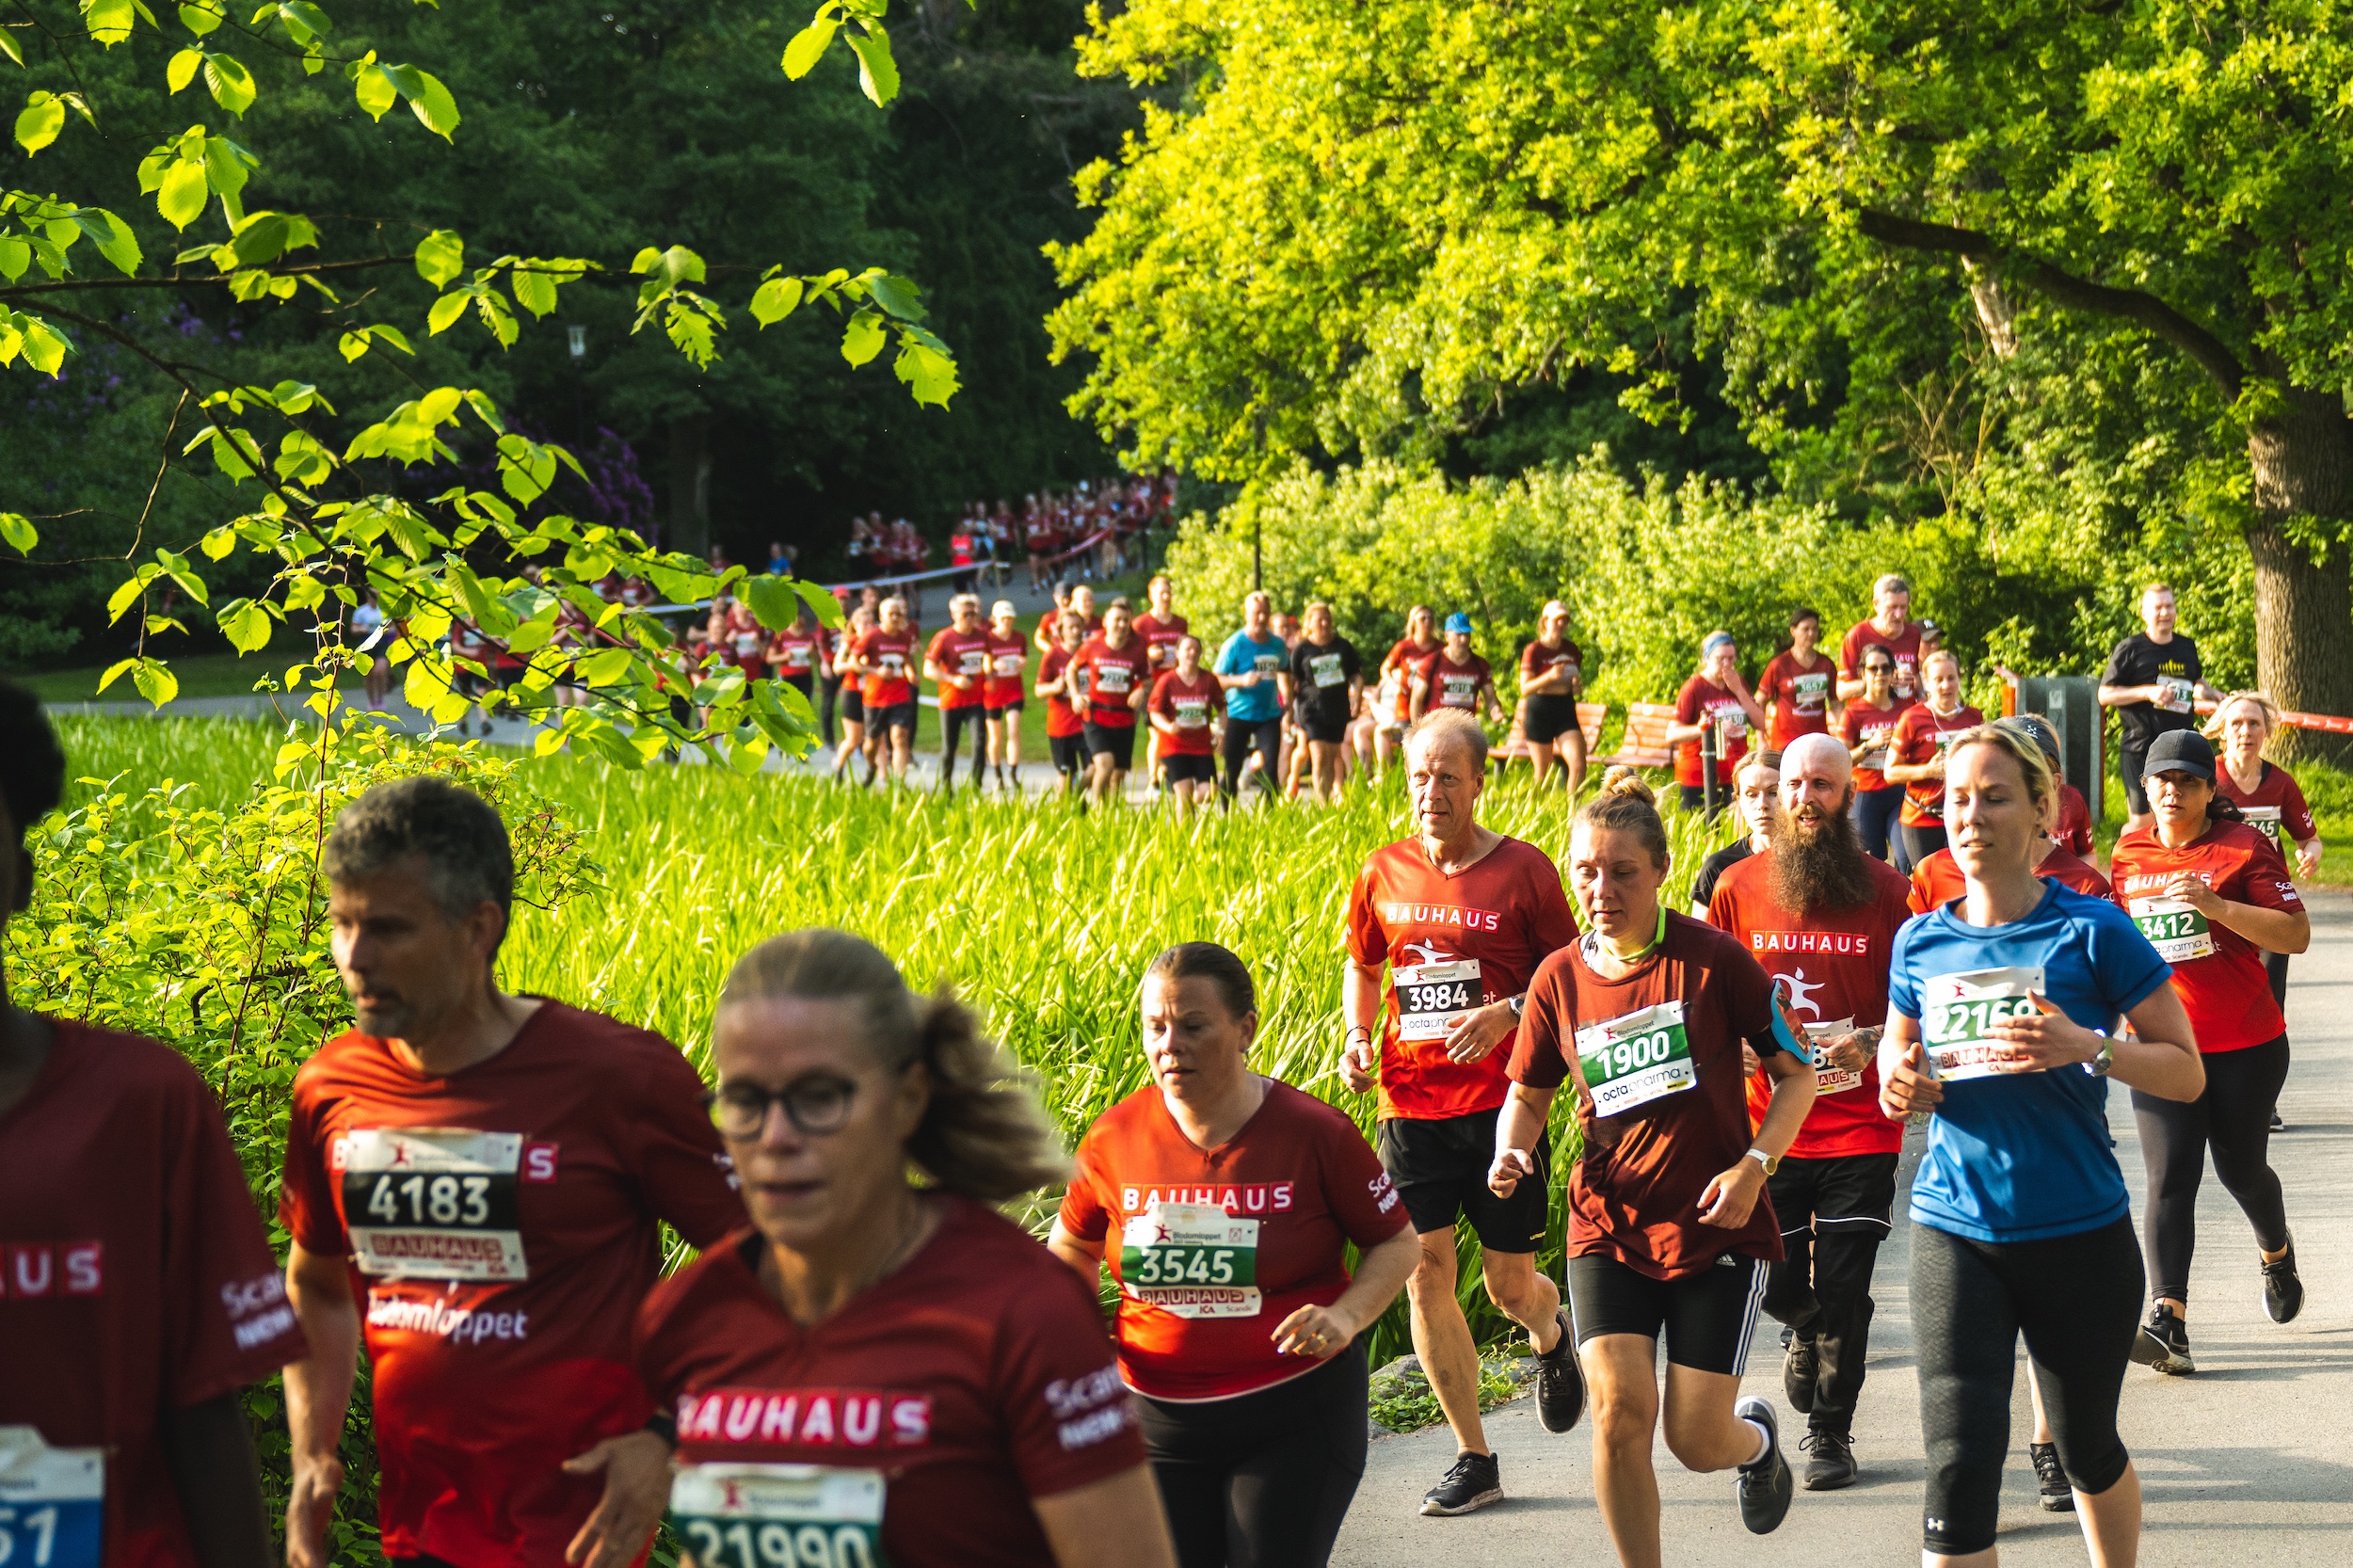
(1840, 942)
(32, 1269)
(1260, 1197)
(810, 1418)
(1442, 914)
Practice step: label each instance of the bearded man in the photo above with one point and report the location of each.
(1821, 915)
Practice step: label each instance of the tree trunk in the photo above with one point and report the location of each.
(690, 484)
(2303, 467)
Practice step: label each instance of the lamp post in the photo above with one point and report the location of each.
(576, 340)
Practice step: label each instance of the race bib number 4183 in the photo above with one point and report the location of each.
(779, 1515)
(1193, 1260)
(1636, 1058)
(433, 1203)
(1956, 1010)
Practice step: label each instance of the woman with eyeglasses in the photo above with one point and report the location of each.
(880, 1368)
(1867, 726)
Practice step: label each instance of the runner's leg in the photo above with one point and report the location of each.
(2242, 1088)
(1621, 1382)
(1442, 1340)
(2173, 1151)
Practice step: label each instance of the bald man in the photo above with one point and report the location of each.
(1821, 915)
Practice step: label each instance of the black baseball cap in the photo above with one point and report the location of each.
(2180, 751)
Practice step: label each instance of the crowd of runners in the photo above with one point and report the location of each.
(868, 1362)
(1096, 525)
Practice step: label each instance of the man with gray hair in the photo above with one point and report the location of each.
(490, 1171)
(1892, 627)
(1821, 917)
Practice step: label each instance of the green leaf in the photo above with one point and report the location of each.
(155, 682)
(877, 73)
(863, 338)
(435, 109)
(444, 313)
(15, 256)
(199, 19)
(44, 349)
(42, 118)
(183, 67)
(692, 333)
(808, 45)
(245, 624)
(218, 542)
(110, 21)
(7, 47)
(114, 672)
(227, 165)
(231, 82)
(533, 291)
(827, 607)
(113, 237)
(180, 197)
(775, 299)
(898, 296)
(773, 602)
(125, 595)
(375, 90)
(18, 530)
(440, 256)
(929, 375)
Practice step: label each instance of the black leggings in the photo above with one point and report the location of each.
(2234, 1116)
(2077, 1300)
(829, 695)
(1916, 843)
(953, 724)
(1263, 1479)
(2276, 965)
(1241, 735)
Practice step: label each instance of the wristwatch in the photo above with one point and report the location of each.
(1519, 1005)
(1771, 1161)
(2105, 1062)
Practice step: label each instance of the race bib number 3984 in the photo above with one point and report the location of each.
(779, 1515)
(1636, 1058)
(433, 1203)
(1191, 1259)
(1956, 1010)
(1432, 999)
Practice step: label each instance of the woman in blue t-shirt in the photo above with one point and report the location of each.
(2002, 1019)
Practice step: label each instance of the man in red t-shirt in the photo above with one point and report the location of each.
(957, 661)
(1459, 916)
(1454, 676)
(480, 1179)
(138, 1292)
(885, 656)
(1161, 627)
(1821, 917)
(1117, 676)
(1891, 626)
(1916, 757)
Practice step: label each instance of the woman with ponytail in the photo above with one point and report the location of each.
(882, 1368)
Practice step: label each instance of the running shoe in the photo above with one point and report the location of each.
(2163, 1343)
(1801, 1369)
(1559, 1382)
(1833, 1464)
(2283, 1289)
(2050, 1478)
(2277, 1124)
(1475, 1481)
(1766, 1486)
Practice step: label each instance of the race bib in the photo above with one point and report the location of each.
(893, 664)
(973, 661)
(2176, 930)
(1905, 668)
(779, 1515)
(1458, 691)
(2265, 820)
(1327, 670)
(1733, 721)
(1193, 713)
(1956, 1010)
(1636, 1058)
(1193, 1260)
(1827, 1079)
(1269, 664)
(1809, 693)
(433, 1203)
(1432, 999)
(1113, 678)
(2177, 693)
(52, 1502)
(1009, 665)
(797, 656)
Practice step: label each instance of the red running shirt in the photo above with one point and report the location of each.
(1008, 656)
(1937, 880)
(1452, 686)
(1700, 700)
(1905, 645)
(1830, 967)
(1537, 659)
(561, 1154)
(975, 1378)
(1861, 722)
(962, 653)
(1920, 734)
(888, 657)
(1190, 706)
(135, 1275)
(793, 652)
(1501, 914)
(2072, 832)
(1161, 638)
(1062, 718)
(1404, 661)
(2274, 808)
(1634, 1193)
(1799, 697)
(1299, 1177)
(2227, 991)
(1111, 675)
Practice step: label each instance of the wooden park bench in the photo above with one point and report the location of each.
(1643, 746)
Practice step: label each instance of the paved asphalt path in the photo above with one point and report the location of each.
(2248, 1464)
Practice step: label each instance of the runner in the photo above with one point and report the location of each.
(848, 674)
(2214, 896)
(368, 637)
(1715, 696)
(1251, 1380)
(1185, 704)
(1645, 1009)
(1065, 700)
(1117, 678)
(2021, 1222)
(1159, 626)
(140, 1297)
(1795, 687)
(1254, 666)
(457, 1158)
(2154, 679)
(1891, 626)
(2266, 796)
(747, 641)
(1397, 683)
(1867, 725)
(1917, 757)
(885, 655)
(1552, 678)
(1454, 676)
(1937, 880)
(946, 1381)
(1047, 635)
(1008, 657)
(1821, 917)
(957, 661)
(791, 654)
(1327, 685)
(1756, 796)
(1461, 916)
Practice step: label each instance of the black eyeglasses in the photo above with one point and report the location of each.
(815, 1105)
(1878, 669)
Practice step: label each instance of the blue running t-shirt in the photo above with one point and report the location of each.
(2021, 1156)
(1244, 654)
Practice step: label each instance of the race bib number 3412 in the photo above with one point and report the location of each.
(433, 1203)
(779, 1515)
(1636, 1058)
(1956, 1010)
(2176, 930)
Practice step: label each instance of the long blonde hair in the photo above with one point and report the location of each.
(2213, 729)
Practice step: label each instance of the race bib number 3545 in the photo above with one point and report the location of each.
(1956, 1010)
(1193, 1260)
(779, 1515)
(1636, 1058)
(433, 1203)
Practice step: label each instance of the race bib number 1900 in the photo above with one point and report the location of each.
(1637, 1058)
(1193, 1260)
(778, 1515)
(52, 1502)
(433, 1203)
(1956, 1010)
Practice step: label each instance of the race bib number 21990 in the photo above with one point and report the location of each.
(779, 1515)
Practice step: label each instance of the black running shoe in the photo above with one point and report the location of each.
(1764, 1484)
(2163, 1343)
(2283, 1289)
(1833, 1464)
(1473, 1484)
(1801, 1369)
(2050, 1479)
(1559, 1382)
(2277, 1124)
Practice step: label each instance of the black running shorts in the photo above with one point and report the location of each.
(1440, 1168)
(1706, 1316)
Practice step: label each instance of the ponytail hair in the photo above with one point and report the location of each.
(1218, 966)
(1626, 804)
(983, 1135)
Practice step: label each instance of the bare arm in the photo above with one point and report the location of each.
(1360, 1005)
(1729, 1198)
(1112, 1523)
(2128, 697)
(2273, 930)
(1085, 1257)
(318, 1397)
(1381, 1273)
(1518, 1129)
